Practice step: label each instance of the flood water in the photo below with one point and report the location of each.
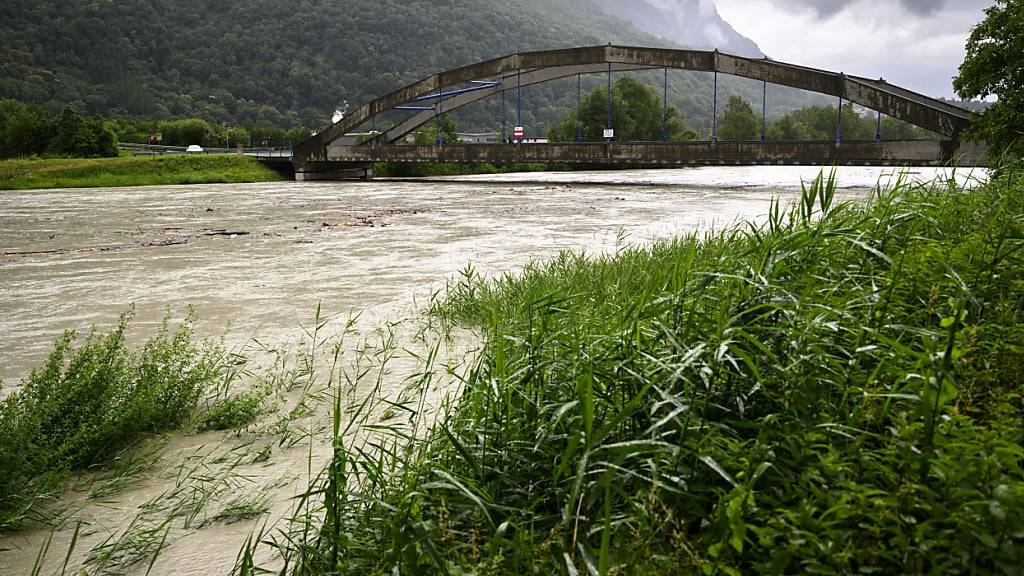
(256, 260)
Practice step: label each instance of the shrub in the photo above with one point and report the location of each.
(233, 412)
(93, 398)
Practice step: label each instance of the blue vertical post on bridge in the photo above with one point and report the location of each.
(664, 129)
(439, 111)
(519, 97)
(609, 140)
(839, 122)
(764, 111)
(714, 111)
(579, 107)
(878, 128)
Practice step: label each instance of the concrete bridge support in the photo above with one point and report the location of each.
(312, 171)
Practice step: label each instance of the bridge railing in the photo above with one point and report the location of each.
(158, 150)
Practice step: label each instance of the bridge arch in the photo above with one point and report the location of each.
(530, 68)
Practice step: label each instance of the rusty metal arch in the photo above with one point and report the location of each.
(543, 66)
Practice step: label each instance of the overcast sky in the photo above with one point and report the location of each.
(917, 44)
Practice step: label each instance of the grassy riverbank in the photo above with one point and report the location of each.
(132, 171)
(838, 391)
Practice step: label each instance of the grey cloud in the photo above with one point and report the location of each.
(829, 8)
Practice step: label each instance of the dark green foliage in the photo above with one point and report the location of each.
(28, 131)
(638, 115)
(268, 63)
(822, 123)
(289, 63)
(24, 130)
(993, 67)
(233, 412)
(739, 122)
(837, 391)
(69, 131)
(91, 399)
(79, 137)
(428, 135)
(186, 132)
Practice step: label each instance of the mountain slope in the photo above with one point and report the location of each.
(233, 60)
(294, 62)
(689, 23)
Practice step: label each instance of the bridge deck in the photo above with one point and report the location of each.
(852, 153)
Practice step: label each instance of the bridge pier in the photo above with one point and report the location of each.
(312, 171)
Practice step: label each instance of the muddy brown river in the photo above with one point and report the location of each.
(254, 261)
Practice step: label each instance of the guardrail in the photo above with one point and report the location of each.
(158, 150)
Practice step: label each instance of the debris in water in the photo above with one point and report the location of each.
(225, 233)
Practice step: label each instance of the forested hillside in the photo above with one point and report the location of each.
(293, 62)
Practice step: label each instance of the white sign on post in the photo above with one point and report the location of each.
(609, 134)
(518, 132)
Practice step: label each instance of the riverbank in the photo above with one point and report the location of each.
(132, 171)
(835, 391)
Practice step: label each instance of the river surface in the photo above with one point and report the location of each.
(256, 260)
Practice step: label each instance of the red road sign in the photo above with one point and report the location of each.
(518, 133)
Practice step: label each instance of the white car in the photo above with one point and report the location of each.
(194, 149)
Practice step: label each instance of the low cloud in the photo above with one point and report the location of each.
(824, 9)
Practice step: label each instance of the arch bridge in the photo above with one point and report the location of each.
(327, 155)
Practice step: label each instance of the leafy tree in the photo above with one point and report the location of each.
(188, 132)
(739, 122)
(103, 140)
(296, 135)
(69, 127)
(267, 135)
(819, 123)
(789, 128)
(994, 67)
(893, 129)
(234, 137)
(637, 116)
(24, 130)
(82, 137)
(428, 135)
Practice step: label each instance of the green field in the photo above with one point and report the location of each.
(131, 171)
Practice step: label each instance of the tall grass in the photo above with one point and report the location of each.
(836, 391)
(92, 399)
(132, 171)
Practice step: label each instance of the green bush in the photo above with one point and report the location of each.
(92, 398)
(24, 130)
(233, 412)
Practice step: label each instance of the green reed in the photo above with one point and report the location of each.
(93, 398)
(838, 390)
